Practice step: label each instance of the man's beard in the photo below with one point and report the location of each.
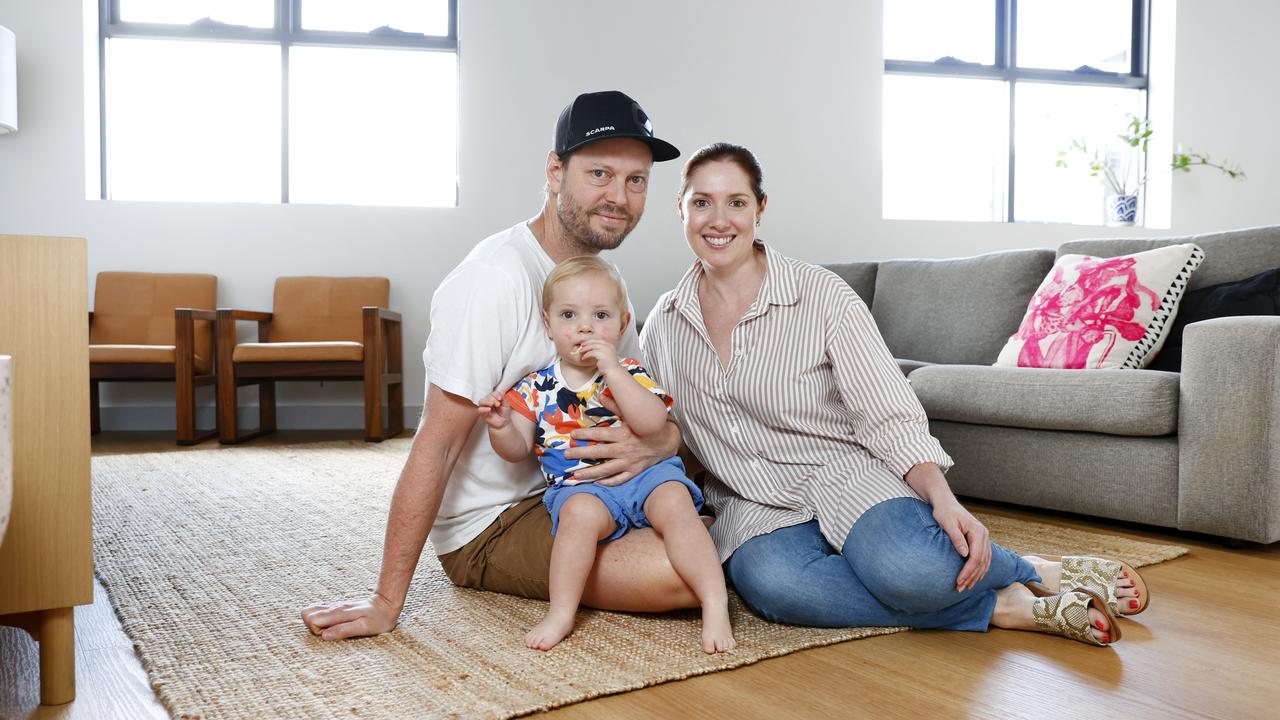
(576, 222)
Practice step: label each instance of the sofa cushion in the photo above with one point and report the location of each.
(909, 366)
(1115, 402)
(1227, 255)
(1258, 295)
(960, 310)
(1102, 313)
(861, 276)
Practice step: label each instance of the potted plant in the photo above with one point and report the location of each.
(1123, 174)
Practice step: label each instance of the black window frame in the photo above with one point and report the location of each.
(286, 32)
(1006, 69)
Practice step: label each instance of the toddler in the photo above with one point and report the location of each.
(584, 308)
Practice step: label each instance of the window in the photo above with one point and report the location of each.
(291, 101)
(981, 95)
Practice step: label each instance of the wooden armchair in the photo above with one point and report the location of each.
(320, 328)
(152, 327)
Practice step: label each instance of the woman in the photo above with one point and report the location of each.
(832, 508)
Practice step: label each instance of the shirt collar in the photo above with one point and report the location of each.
(780, 283)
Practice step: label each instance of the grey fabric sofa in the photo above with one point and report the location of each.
(1197, 450)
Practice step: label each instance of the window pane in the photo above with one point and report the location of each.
(1048, 118)
(254, 13)
(193, 121)
(945, 148)
(931, 29)
(373, 127)
(1064, 36)
(429, 17)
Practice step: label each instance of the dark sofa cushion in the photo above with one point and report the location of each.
(1258, 295)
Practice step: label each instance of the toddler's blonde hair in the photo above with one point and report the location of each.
(583, 265)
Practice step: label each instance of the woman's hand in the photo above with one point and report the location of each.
(494, 411)
(969, 536)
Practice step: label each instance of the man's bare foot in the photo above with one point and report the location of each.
(717, 634)
(555, 627)
(1013, 612)
(1051, 574)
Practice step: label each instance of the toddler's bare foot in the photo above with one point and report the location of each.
(717, 634)
(555, 627)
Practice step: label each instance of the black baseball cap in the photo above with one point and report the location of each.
(604, 115)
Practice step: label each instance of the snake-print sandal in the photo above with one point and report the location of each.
(1067, 614)
(1099, 576)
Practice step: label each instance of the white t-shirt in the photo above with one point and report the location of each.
(487, 334)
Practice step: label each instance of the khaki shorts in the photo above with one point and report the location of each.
(512, 555)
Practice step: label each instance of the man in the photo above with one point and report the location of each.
(483, 514)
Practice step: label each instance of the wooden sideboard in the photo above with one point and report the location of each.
(46, 556)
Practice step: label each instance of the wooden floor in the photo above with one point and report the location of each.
(1208, 647)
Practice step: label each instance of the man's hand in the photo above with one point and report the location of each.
(351, 618)
(447, 420)
(624, 455)
(494, 410)
(970, 538)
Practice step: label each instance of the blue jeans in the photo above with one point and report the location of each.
(897, 568)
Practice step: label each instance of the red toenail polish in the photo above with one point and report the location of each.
(1133, 603)
(1100, 626)
(1125, 573)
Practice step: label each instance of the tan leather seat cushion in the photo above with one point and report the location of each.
(299, 352)
(132, 308)
(324, 309)
(148, 354)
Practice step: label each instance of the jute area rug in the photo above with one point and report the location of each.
(208, 556)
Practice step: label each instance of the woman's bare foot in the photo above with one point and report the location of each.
(1013, 612)
(556, 626)
(1127, 595)
(717, 634)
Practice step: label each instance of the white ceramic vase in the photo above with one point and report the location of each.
(6, 442)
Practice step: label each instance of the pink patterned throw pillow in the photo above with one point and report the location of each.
(1098, 313)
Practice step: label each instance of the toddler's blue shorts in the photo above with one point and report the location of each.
(626, 501)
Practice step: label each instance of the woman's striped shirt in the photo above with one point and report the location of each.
(811, 418)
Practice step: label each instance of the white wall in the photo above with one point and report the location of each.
(797, 82)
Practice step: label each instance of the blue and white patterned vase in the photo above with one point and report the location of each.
(1122, 210)
(6, 443)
